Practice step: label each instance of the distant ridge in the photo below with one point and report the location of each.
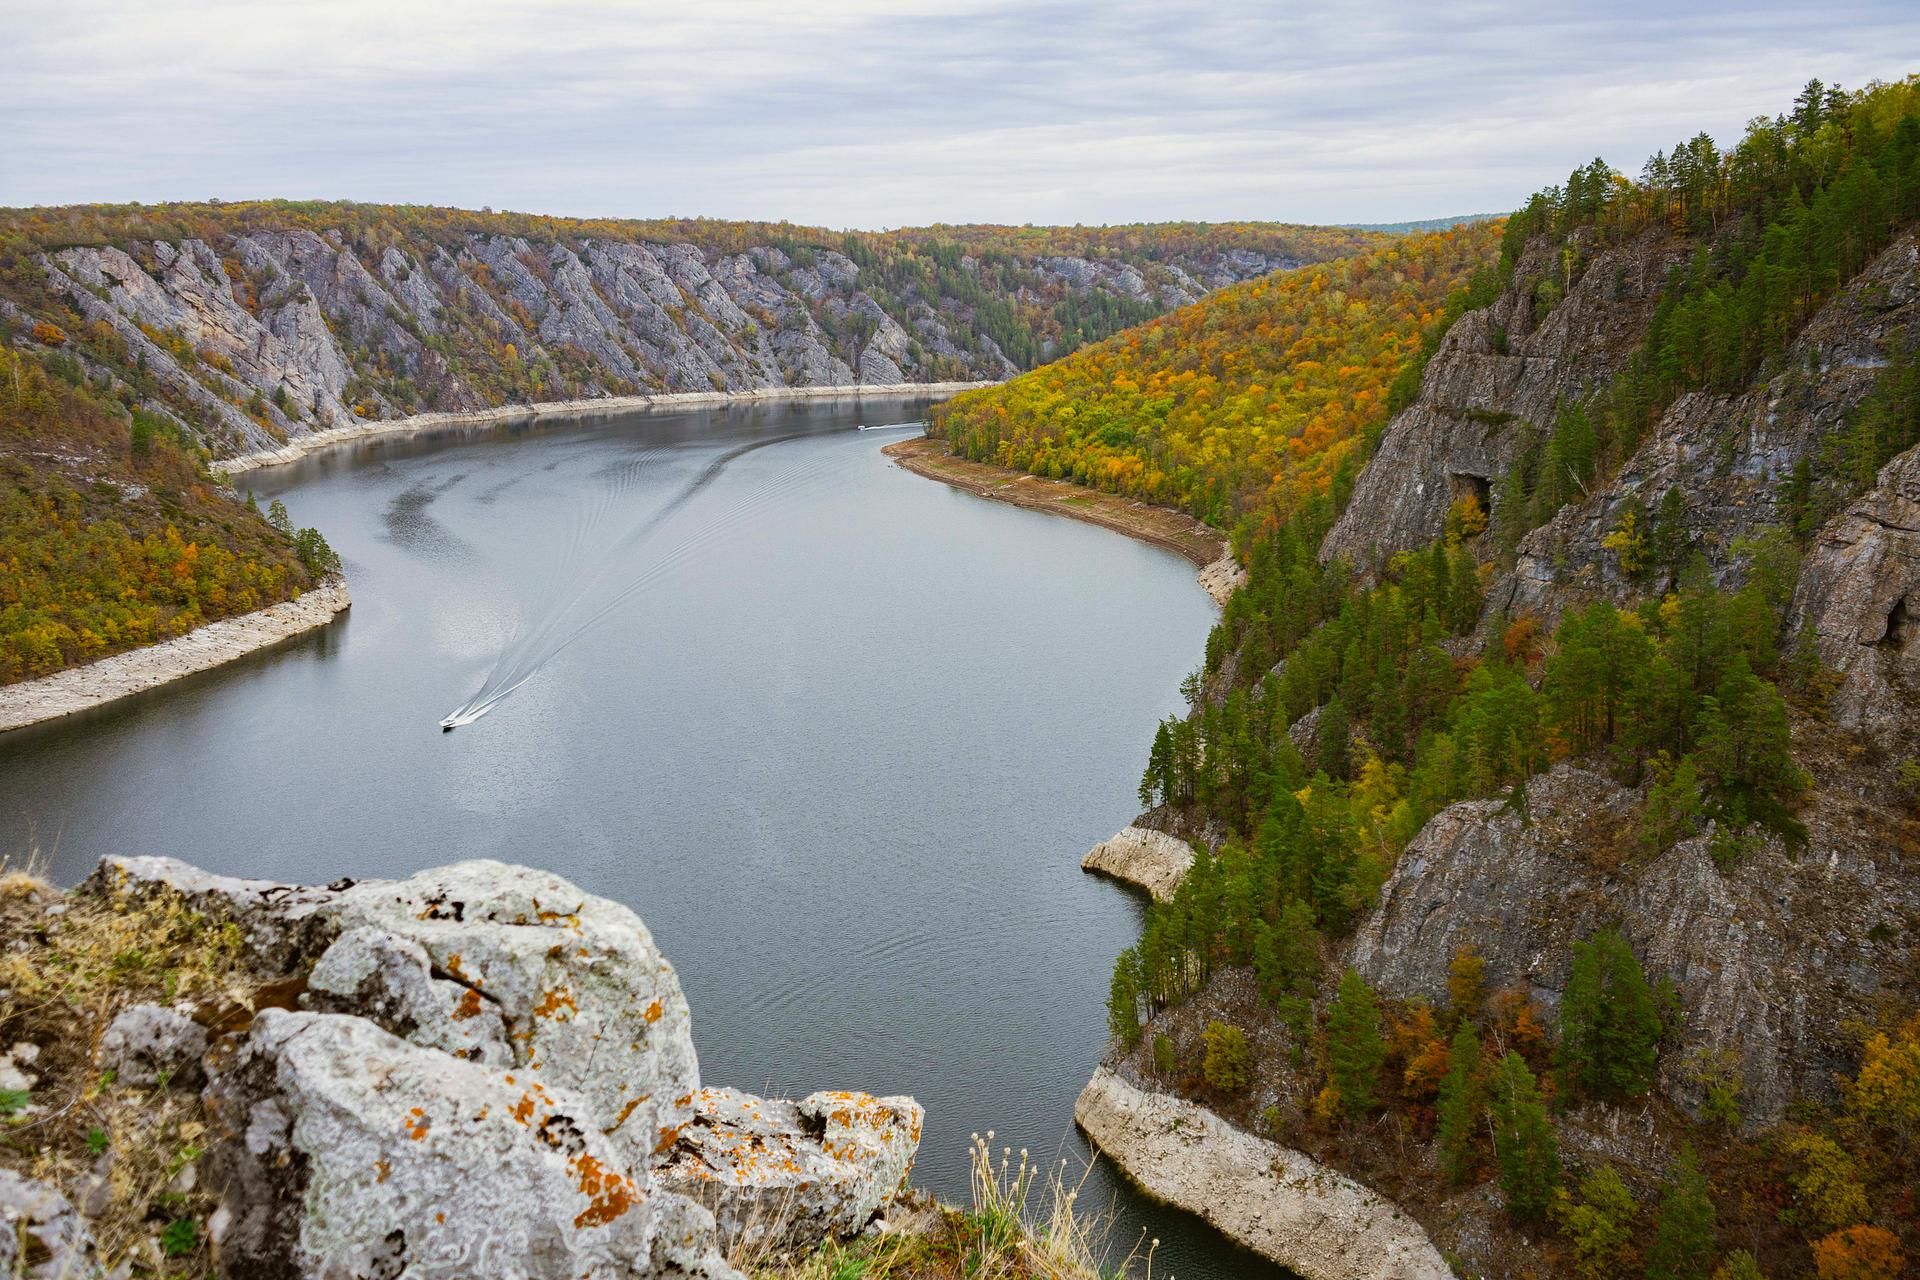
(1422, 224)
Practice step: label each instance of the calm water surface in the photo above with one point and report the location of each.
(839, 734)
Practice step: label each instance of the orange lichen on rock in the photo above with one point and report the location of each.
(468, 1007)
(381, 1171)
(418, 1125)
(609, 1192)
(654, 1011)
(627, 1111)
(554, 1001)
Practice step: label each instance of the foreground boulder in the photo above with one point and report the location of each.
(484, 1070)
(589, 1003)
(780, 1175)
(152, 1045)
(345, 1151)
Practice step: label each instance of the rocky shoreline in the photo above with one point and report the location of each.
(1147, 859)
(301, 446)
(77, 689)
(1269, 1198)
(1219, 574)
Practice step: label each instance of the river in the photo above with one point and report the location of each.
(839, 734)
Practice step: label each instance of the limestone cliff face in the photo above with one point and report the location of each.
(1500, 374)
(263, 336)
(1859, 594)
(1771, 957)
(1773, 954)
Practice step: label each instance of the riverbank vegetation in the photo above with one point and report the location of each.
(112, 533)
(1335, 715)
(1258, 399)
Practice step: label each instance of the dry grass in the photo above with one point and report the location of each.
(1025, 1223)
(68, 964)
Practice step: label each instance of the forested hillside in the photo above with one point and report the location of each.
(1256, 400)
(1553, 784)
(111, 533)
(249, 324)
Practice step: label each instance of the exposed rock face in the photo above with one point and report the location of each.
(1770, 958)
(41, 1237)
(491, 1073)
(1148, 859)
(1496, 372)
(780, 1175)
(1273, 1200)
(1725, 453)
(1859, 591)
(1222, 578)
(346, 1151)
(274, 334)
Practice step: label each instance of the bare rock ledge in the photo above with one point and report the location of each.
(1147, 859)
(1222, 578)
(124, 674)
(1273, 1200)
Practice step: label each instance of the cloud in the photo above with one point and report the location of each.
(883, 112)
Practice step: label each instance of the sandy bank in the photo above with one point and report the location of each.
(1270, 1198)
(80, 688)
(301, 446)
(1204, 545)
(1148, 859)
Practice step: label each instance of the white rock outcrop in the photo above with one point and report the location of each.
(41, 1237)
(1147, 859)
(492, 1072)
(150, 1044)
(780, 1175)
(1271, 1199)
(1222, 578)
(345, 1151)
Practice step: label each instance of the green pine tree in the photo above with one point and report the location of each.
(1683, 1244)
(1355, 1050)
(1459, 1106)
(1524, 1141)
(1609, 1022)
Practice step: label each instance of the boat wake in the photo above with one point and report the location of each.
(590, 588)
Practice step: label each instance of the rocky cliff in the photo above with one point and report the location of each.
(261, 328)
(1503, 373)
(480, 1070)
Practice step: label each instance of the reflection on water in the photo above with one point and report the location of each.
(841, 749)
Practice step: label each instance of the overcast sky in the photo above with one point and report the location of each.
(873, 113)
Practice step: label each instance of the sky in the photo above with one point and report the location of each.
(882, 113)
